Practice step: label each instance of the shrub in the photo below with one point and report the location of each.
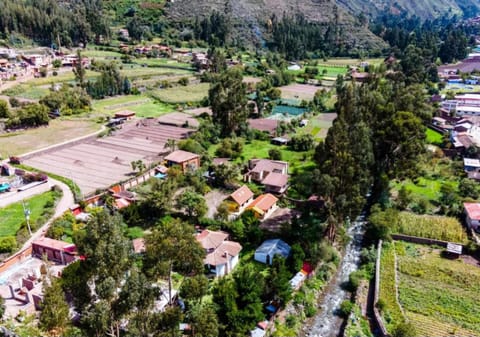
(381, 305)
(404, 329)
(275, 154)
(8, 244)
(345, 309)
(183, 81)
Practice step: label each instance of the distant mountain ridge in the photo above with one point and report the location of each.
(425, 9)
(252, 16)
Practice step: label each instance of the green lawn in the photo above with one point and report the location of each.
(434, 137)
(434, 173)
(11, 217)
(142, 105)
(260, 148)
(182, 94)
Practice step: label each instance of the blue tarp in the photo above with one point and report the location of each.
(160, 175)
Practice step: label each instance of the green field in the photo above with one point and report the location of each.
(182, 94)
(134, 71)
(391, 312)
(434, 137)
(142, 105)
(100, 54)
(440, 296)
(430, 226)
(32, 92)
(260, 148)
(11, 217)
(434, 172)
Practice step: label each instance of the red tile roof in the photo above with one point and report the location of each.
(264, 202)
(260, 165)
(211, 239)
(241, 195)
(181, 156)
(473, 210)
(139, 245)
(124, 114)
(276, 179)
(219, 256)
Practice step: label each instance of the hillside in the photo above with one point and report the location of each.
(251, 17)
(426, 9)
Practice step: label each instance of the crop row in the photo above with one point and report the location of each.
(432, 227)
(391, 312)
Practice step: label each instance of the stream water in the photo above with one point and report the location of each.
(327, 323)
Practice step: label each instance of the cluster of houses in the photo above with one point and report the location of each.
(17, 65)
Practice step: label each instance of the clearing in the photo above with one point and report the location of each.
(318, 125)
(58, 131)
(260, 148)
(299, 91)
(142, 105)
(182, 94)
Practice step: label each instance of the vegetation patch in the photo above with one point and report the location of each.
(434, 137)
(12, 217)
(182, 94)
(430, 226)
(387, 303)
(440, 291)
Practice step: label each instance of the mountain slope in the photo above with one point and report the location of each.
(426, 9)
(252, 16)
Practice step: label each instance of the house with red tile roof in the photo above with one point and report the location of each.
(472, 212)
(264, 205)
(275, 183)
(222, 254)
(241, 198)
(187, 161)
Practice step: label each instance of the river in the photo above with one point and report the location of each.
(327, 323)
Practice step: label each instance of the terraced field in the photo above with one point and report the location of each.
(438, 295)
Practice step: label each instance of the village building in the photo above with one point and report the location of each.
(187, 161)
(263, 206)
(139, 246)
(127, 114)
(55, 250)
(269, 249)
(470, 164)
(222, 254)
(472, 212)
(275, 183)
(241, 198)
(259, 169)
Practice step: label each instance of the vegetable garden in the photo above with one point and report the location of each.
(438, 296)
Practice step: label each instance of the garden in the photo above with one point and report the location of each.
(440, 291)
(438, 296)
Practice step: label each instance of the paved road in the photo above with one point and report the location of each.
(14, 196)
